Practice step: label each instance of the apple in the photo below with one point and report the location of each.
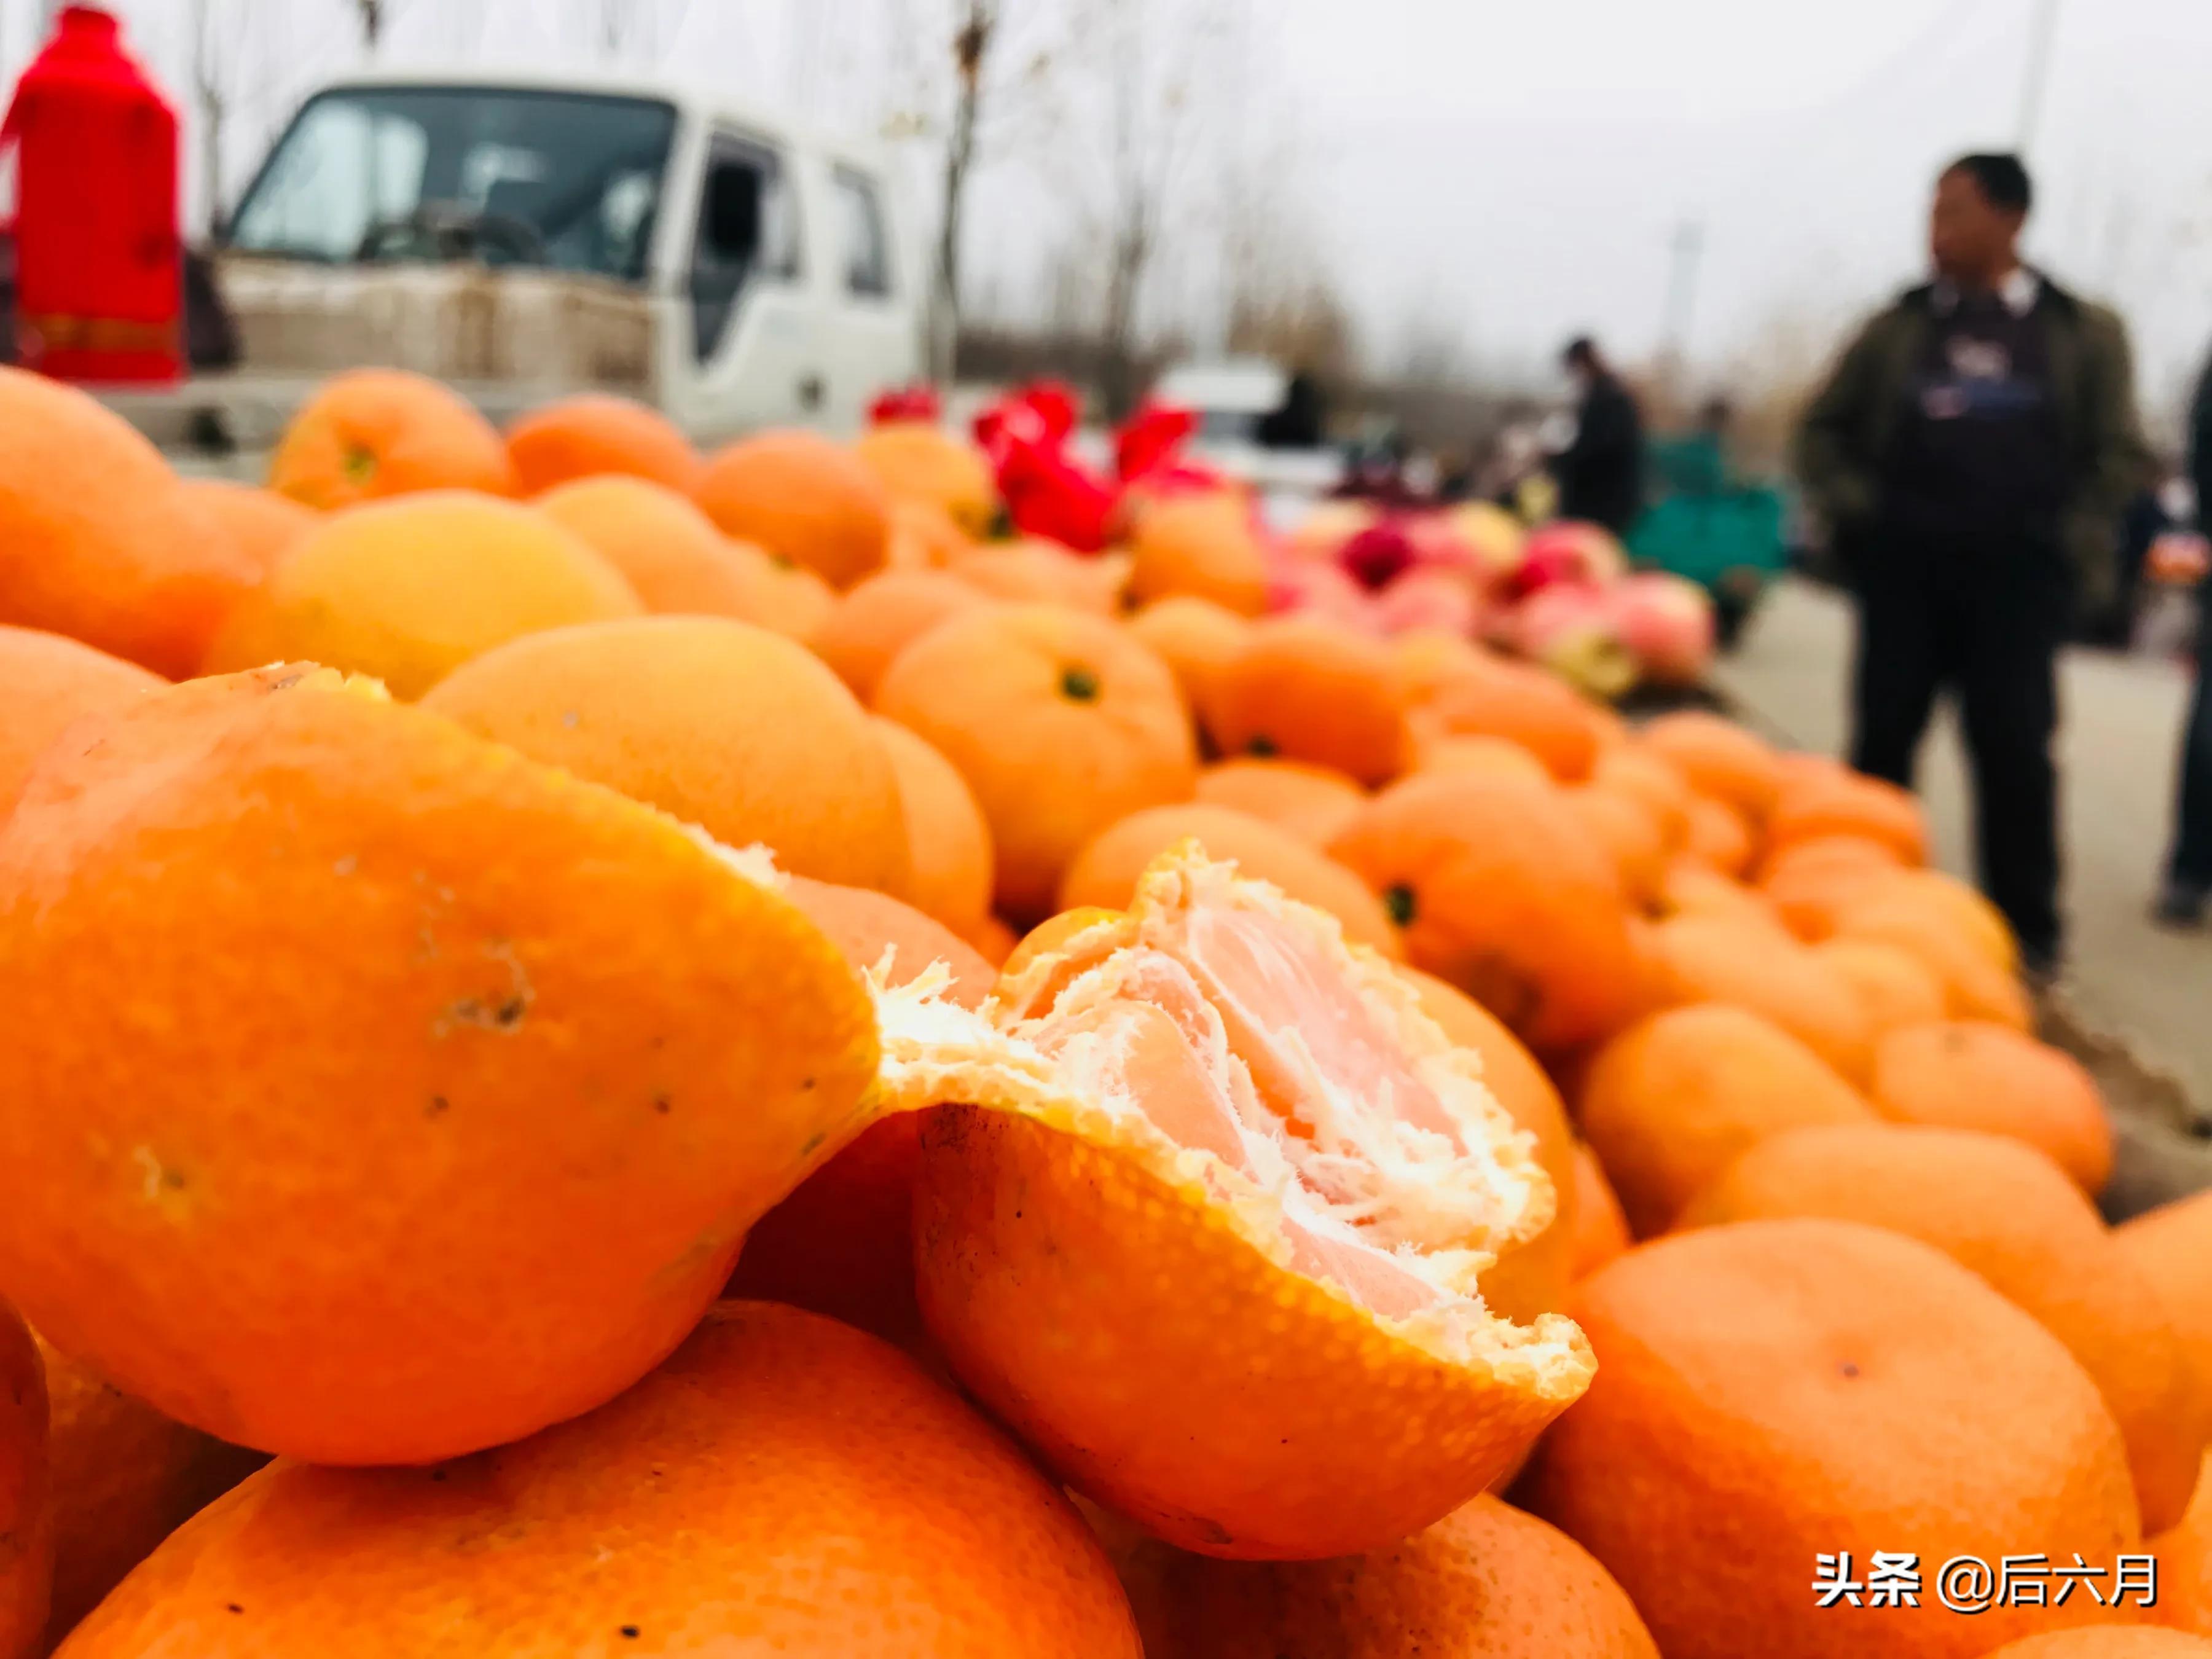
(1666, 624)
(1328, 526)
(1493, 535)
(1379, 555)
(1426, 599)
(1568, 550)
(1320, 590)
(1569, 629)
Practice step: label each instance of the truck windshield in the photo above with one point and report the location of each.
(509, 175)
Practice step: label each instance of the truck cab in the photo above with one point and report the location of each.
(521, 238)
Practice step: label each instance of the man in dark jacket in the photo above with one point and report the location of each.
(2186, 896)
(1600, 472)
(1970, 453)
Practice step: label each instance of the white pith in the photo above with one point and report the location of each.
(1406, 1189)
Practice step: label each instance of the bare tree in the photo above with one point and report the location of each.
(1147, 62)
(219, 33)
(969, 104)
(971, 46)
(624, 23)
(1277, 297)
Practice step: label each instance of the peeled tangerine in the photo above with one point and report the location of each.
(1201, 1218)
(391, 1095)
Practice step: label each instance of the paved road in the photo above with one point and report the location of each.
(2130, 984)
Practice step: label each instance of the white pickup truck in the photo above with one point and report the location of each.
(523, 238)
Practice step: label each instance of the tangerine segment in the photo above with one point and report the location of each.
(1203, 1217)
(506, 1062)
(783, 1484)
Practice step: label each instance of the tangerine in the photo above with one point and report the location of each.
(842, 1245)
(1443, 751)
(261, 524)
(1502, 892)
(725, 726)
(409, 590)
(1676, 1098)
(1060, 723)
(1034, 571)
(1530, 1278)
(669, 551)
(1630, 833)
(1486, 1582)
(595, 434)
(917, 461)
(98, 540)
(2105, 1644)
(124, 1477)
(2009, 1213)
(1772, 1392)
(1196, 638)
(47, 683)
(372, 433)
(2171, 1247)
(1311, 802)
(1525, 705)
(1188, 1136)
(1717, 834)
(838, 1500)
(1720, 758)
(1751, 964)
(1894, 986)
(1968, 1074)
(803, 499)
(1202, 544)
(870, 623)
(948, 843)
(1842, 803)
(1105, 873)
(26, 1526)
(550, 1015)
(1600, 1228)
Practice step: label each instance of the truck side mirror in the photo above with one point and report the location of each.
(733, 212)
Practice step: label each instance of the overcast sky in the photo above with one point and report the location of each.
(1514, 170)
(1534, 161)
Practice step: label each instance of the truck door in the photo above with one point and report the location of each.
(877, 341)
(756, 333)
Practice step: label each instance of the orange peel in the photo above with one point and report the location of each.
(445, 1087)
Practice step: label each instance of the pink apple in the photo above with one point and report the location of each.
(1438, 544)
(1436, 600)
(1377, 555)
(1568, 552)
(1320, 590)
(1328, 526)
(1666, 624)
(1492, 534)
(1569, 629)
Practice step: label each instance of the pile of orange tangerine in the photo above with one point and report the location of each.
(714, 1059)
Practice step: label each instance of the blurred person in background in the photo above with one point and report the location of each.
(1514, 455)
(1971, 453)
(2156, 510)
(1301, 421)
(2184, 899)
(1600, 471)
